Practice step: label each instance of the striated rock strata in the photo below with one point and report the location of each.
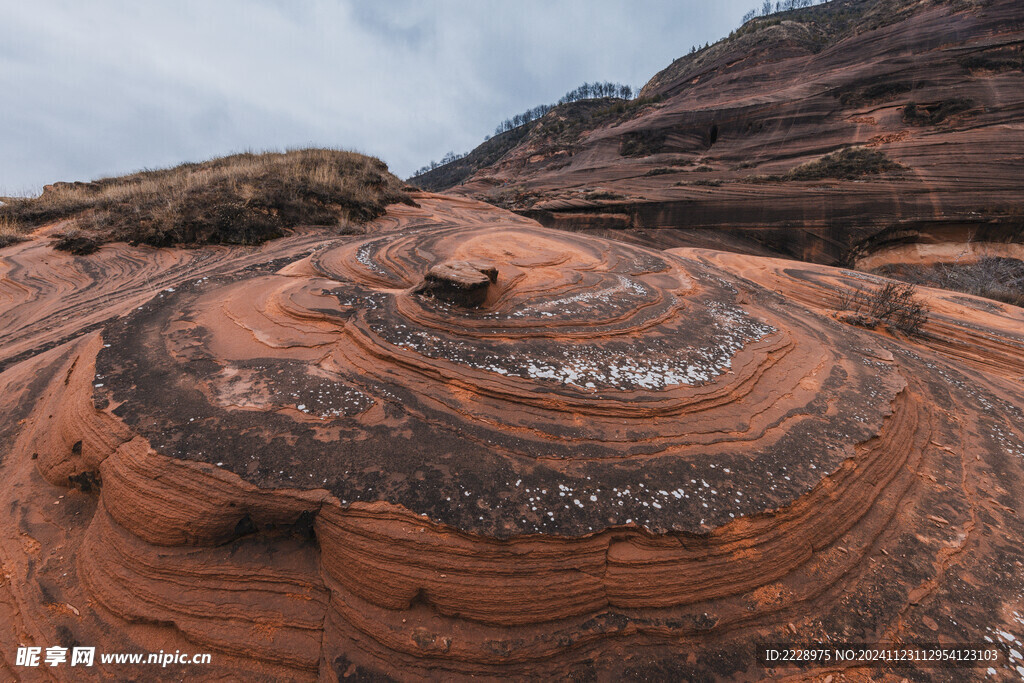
(706, 153)
(618, 463)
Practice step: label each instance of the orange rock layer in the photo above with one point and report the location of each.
(622, 464)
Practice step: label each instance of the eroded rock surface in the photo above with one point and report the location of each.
(622, 463)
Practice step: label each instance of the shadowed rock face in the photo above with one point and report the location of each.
(708, 162)
(620, 462)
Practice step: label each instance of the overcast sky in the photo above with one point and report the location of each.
(98, 88)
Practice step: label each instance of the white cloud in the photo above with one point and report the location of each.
(107, 87)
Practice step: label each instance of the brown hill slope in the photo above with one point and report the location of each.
(726, 140)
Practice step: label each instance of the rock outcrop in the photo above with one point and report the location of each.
(461, 282)
(709, 150)
(618, 462)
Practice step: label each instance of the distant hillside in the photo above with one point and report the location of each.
(456, 167)
(815, 133)
(557, 134)
(783, 35)
(490, 151)
(807, 29)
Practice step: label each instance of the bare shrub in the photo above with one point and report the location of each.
(991, 277)
(895, 304)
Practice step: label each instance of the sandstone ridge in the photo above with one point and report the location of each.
(725, 147)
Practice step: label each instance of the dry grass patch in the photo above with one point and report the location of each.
(240, 199)
(10, 233)
(846, 164)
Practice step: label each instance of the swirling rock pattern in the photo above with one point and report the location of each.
(617, 463)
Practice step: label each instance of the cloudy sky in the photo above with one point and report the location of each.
(98, 88)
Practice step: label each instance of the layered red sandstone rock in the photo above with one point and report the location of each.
(619, 462)
(710, 157)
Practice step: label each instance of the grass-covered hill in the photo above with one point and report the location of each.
(240, 199)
